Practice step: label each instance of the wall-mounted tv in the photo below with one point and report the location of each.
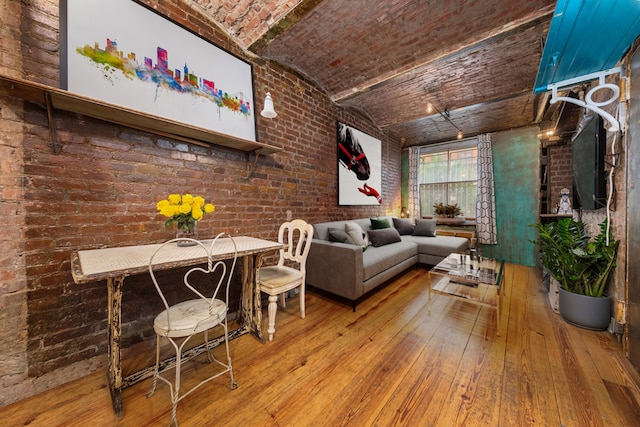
(588, 149)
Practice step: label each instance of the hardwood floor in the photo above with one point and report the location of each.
(390, 363)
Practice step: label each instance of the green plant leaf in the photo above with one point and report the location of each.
(580, 264)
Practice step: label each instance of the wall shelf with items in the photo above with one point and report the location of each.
(544, 180)
(545, 218)
(58, 99)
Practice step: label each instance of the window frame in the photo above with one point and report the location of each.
(442, 148)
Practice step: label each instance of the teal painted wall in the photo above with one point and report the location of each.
(516, 165)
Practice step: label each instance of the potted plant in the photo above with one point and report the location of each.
(581, 265)
(447, 211)
(448, 214)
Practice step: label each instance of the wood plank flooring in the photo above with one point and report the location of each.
(389, 363)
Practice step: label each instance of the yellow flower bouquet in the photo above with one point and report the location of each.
(185, 210)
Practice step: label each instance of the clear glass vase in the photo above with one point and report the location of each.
(187, 234)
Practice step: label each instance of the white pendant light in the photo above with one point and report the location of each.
(268, 110)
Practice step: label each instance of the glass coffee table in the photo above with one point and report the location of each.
(475, 281)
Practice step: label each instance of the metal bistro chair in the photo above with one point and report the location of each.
(277, 279)
(179, 322)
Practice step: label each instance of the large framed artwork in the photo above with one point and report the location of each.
(359, 167)
(124, 53)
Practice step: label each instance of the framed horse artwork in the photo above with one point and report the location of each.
(359, 167)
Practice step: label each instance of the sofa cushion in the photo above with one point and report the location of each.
(340, 235)
(376, 260)
(425, 227)
(403, 225)
(380, 223)
(355, 231)
(384, 236)
(439, 246)
(321, 230)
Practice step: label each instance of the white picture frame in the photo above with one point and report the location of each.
(123, 53)
(359, 167)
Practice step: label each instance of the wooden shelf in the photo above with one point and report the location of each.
(60, 99)
(547, 218)
(467, 234)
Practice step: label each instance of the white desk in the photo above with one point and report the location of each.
(114, 264)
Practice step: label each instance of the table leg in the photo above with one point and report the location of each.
(251, 310)
(114, 375)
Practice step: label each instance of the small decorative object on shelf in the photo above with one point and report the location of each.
(565, 203)
(185, 210)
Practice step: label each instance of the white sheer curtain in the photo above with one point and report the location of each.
(414, 193)
(486, 232)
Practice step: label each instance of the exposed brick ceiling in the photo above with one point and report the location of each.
(475, 60)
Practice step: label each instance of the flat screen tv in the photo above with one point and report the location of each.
(588, 149)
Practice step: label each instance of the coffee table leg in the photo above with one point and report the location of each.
(429, 297)
(498, 314)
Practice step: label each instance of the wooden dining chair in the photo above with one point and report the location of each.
(290, 272)
(207, 308)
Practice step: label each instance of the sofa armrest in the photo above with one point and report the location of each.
(336, 268)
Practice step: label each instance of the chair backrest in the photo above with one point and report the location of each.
(297, 236)
(169, 253)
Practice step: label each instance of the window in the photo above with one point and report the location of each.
(449, 176)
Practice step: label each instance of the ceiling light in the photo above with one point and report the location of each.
(445, 116)
(429, 108)
(268, 110)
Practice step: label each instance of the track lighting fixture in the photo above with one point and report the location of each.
(445, 115)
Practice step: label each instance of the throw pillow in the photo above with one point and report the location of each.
(425, 227)
(379, 223)
(357, 234)
(339, 235)
(384, 236)
(403, 225)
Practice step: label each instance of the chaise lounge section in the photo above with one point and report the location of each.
(349, 269)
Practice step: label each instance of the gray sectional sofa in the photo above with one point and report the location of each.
(339, 265)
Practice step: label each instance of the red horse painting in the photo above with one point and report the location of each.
(353, 158)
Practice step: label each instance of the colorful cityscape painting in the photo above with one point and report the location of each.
(201, 84)
(161, 76)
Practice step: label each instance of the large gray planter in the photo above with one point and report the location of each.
(586, 312)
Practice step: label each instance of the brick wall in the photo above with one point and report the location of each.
(13, 296)
(560, 173)
(102, 188)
